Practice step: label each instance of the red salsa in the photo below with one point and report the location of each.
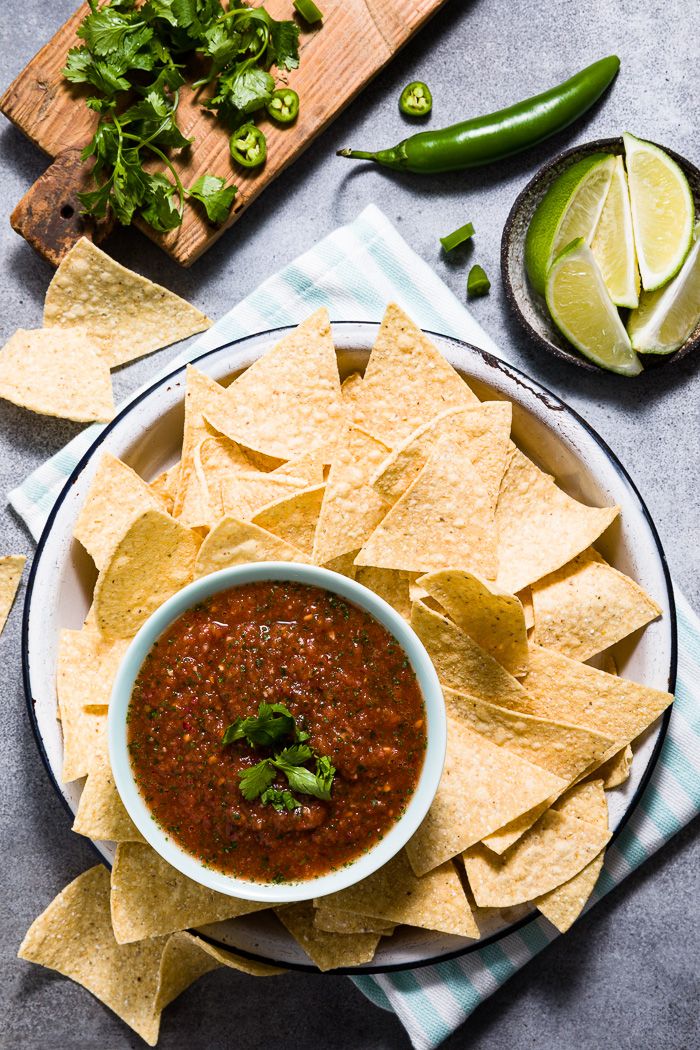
(355, 702)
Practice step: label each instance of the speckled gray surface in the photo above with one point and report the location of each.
(627, 975)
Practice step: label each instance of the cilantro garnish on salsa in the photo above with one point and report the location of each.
(276, 731)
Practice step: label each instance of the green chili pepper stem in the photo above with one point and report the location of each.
(483, 140)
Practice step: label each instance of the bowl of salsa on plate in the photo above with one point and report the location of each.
(277, 731)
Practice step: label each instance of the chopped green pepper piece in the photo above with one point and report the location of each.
(308, 11)
(248, 146)
(477, 282)
(284, 106)
(416, 100)
(457, 237)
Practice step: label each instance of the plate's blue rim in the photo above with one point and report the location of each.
(553, 401)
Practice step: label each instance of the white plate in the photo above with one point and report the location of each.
(148, 434)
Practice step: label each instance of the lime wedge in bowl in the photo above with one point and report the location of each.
(613, 243)
(662, 211)
(665, 318)
(584, 313)
(570, 208)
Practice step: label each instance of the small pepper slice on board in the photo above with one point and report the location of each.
(416, 99)
(284, 106)
(248, 146)
(308, 11)
(477, 282)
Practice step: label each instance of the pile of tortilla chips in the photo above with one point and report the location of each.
(405, 481)
(97, 316)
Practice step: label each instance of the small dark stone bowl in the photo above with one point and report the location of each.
(530, 307)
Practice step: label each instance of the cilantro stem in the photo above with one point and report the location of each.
(182, 192)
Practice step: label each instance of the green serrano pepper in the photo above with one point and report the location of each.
(483, 140)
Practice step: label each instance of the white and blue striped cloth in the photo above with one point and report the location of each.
(355, 271)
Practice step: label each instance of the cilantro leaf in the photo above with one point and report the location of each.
(283, 48)
(82, 68)
(301, 779)
(295, 755)
(239, 91)
(107, 31)
(279, 800)
(256, 779)
(272, 723)
(161, 212)
(215, 195)
(154, 116)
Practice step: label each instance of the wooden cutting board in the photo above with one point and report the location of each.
(356, 40)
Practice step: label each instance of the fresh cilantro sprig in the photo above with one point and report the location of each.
(133, 57)
(256, 780)
(271, 725)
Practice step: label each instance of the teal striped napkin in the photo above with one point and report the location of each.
(354, 272)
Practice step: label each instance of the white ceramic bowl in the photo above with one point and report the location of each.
(367, 862)
(147, 434)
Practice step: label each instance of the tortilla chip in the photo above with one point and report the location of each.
(551, 853)
(78, 680)
(616, 770)
(585, 802)
(307, 468)
(569, 691)
(224, 957)
(505, 837)
(407, 382)
(234, 542)
(154, 559)
(443, 518)
(525, 599)
(56, 373)
(149, 897)
(95, 680)
(540, 528)
(463, 665)
(389, 584)
(493, 619)
(435, 901)
(587, 606)
(124, 314)
(345, 565)
(215, 460)
(243, 495)
(164, 486)
(351, 508)
(293, 518)
(11, 568)
(482, 432)
(328, 950)
(201, 393)
(350, 390)
(563, 905)
(565, 750)
(116, 496)
(288, 402)
(334, 920)
(101, 813)
(483, 787)
(74, 936)
(502, 839)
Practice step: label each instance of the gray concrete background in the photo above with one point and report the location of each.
(627, 975)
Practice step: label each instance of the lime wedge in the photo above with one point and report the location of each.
(569, 209)
(613, 243)
(666, 317)
(583, 311)
(662, 211)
